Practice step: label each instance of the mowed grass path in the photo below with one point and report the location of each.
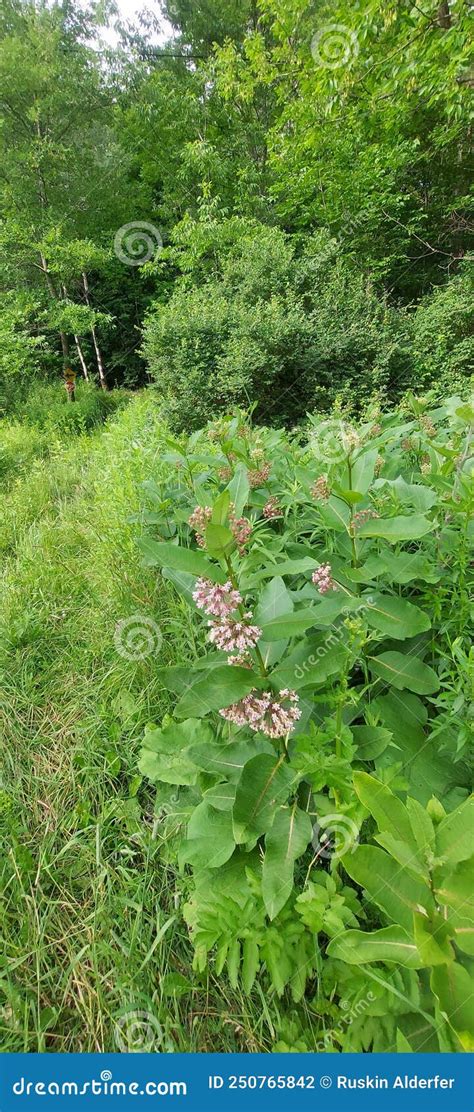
(89, 909)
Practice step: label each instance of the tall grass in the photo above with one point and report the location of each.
(88, 902)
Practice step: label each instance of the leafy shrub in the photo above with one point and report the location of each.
(443, 343)
(267, 319)
(319, 827)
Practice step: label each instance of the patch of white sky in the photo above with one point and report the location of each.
(128, 11)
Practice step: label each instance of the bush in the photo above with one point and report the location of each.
(291, 327)
(443, 344)
(319, 733)
(290, 323)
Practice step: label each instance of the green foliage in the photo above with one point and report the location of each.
(320, 777)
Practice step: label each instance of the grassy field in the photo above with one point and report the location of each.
(88, 904)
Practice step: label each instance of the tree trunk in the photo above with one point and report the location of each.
(100, 365)
(81, 357)
(51, 287)
(444, 15)
(79, 347)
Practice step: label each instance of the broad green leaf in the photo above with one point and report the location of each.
(219, 540)
(453, 987)
(289, 624)
(238, 489)
(390, 944)
(422, 826)
(217, 689)
(396, 529)
(316, 668)
(210, 841)
(393, 889)
(283, 567)
(286, 840)
(394, 616)
(455, 834)
(363, 469)
(220, 508)
(402, 671)
(182, 581)
(429, 772)
(264, 785)
(164, 754)
(227, 760)
(403, 567)
(164, 555)
(432, 936)
(403, 853)
(455, 892)
(221, 796)
(370, 741)
(389, 812)
(274, 601)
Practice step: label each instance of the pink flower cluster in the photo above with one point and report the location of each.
(225, 474)
(234, 634)
(320, 489)
(322, 579)
(361, 517)
(272, 509)
(258, 477)
(216, 599)
(265, 713)
(231, 634)
(199, 521)
(241, 528)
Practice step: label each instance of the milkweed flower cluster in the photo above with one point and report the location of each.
(216, 599)
(199, 521)
(234, 635)
(361, 517)
(322, 579)
(320, 489)
(225, 474)
(258, 477)
(241, 529)
(272, 509)
(230, 633)
(265, 713)
(242, 660)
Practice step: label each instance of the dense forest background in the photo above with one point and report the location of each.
(272, 205)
